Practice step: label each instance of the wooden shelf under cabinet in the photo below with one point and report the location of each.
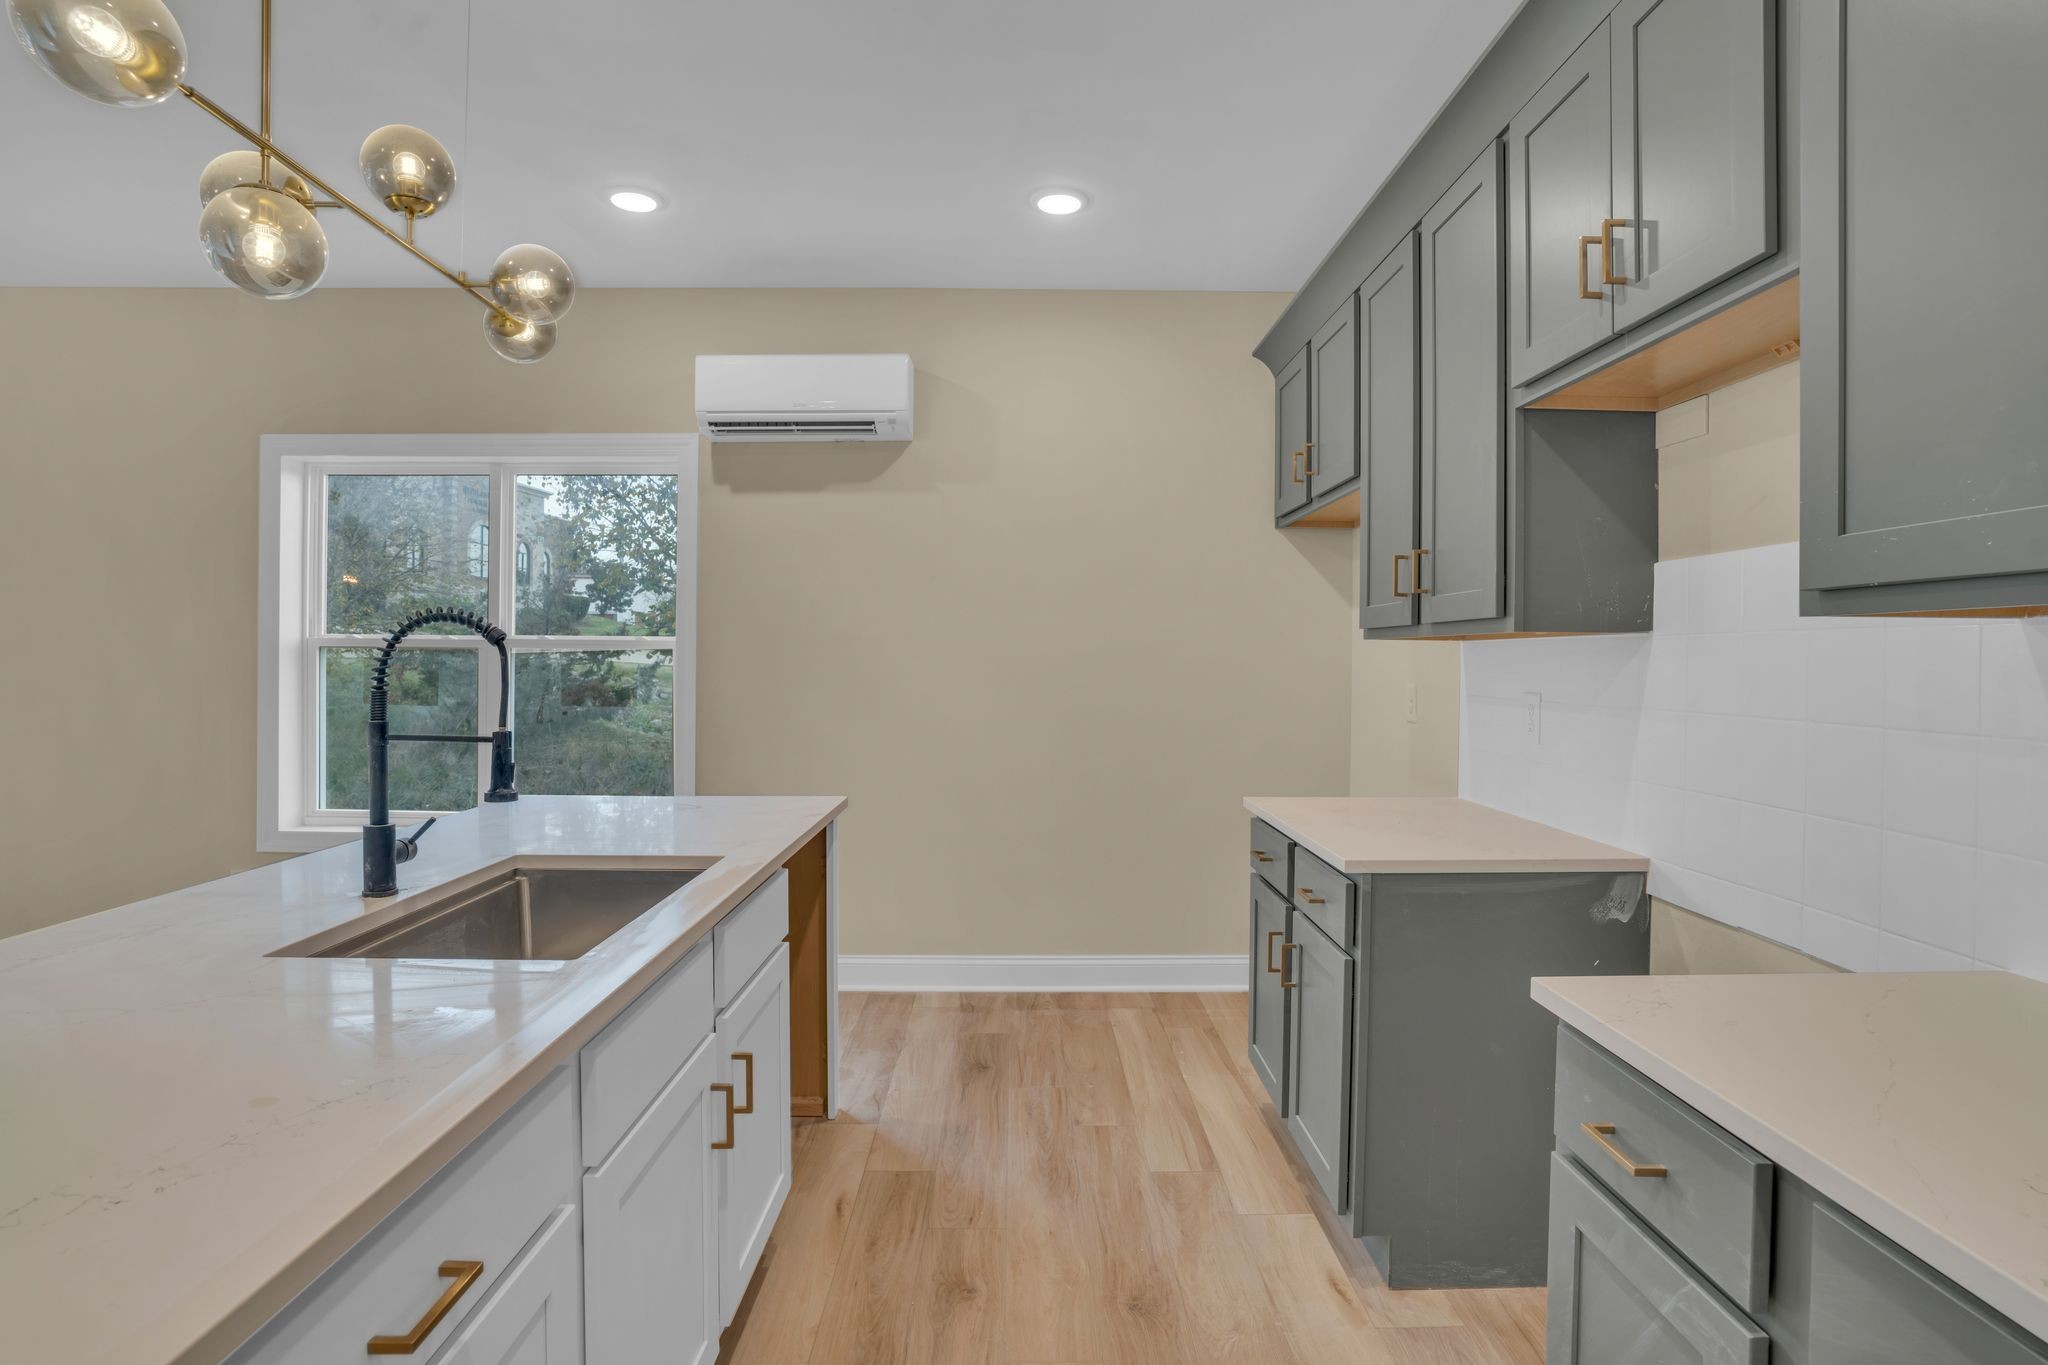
(1760, 333)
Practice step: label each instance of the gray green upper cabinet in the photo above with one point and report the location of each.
(1644, 171)
(1921, 396)
(1461, 555)
(1290, 430)
(1390, 439)
(1560, 195)
(1333, 402)
(1695, 146)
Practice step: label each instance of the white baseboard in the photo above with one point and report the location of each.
(1222, 972)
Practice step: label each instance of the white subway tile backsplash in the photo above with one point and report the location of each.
(1931, 679)
(1930, 785)
(1927, 891)
(1845, 676)
(2012, 796)
(1842, 869)
(1714, 599)
(1845, 772)
(2015, 680)
(2012, 914)
(1821, 782)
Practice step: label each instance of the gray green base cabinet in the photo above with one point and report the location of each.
(1672, 1241)
(1415, 1070)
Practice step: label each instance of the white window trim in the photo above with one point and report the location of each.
(288, 602)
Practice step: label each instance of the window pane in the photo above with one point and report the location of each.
(397, 544)
(600, 554)
(433, 692)
(595, 724)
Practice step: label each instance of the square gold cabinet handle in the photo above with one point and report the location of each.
(461, 1275)
(1603, 1134)
(1272, 934)
(1586, 291)
(1420, 591)
(1307, 466)
(723, 1089)
(1287, 983)
(1607, 227)
(1399, 560)
(748, 1059)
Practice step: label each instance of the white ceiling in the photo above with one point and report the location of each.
(1226, 143)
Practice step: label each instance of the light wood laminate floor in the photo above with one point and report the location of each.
(1070, 1179)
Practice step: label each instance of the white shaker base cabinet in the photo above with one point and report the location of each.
(535, 1314)
(651, 1273)
(752, 1035)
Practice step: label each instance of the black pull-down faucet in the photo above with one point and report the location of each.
(383, 850)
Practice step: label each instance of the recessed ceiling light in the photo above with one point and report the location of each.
(1060, 203)
(635, 201)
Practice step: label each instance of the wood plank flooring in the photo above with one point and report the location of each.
(1078, 1180)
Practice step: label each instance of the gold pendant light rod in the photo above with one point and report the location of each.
(268, 148)
(263, 117)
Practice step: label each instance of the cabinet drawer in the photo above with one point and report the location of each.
(1326, 896)
(1712, 1201)
(485, 1205)
(535, 1314)
(1270, 850)
(747, 937)
(625, 1067)
(1619, 1297)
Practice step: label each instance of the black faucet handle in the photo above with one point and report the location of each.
(409, 845)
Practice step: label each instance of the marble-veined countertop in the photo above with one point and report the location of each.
(191, 1131)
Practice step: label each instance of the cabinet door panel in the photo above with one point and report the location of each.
(754, 1175)
(1464, 427)
(1391, 439)
(1268, 1013)
(1618, 1297)
(1290, 436)
(1319, 1056)
(534, 1315)
(1695, 139)
(1333, 391)
(651, 1229)
(1921, 402)
(1560, 189)
(1873, 1306)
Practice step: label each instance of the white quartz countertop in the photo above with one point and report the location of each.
(1432, 834)
(1917, 1101)
(191, 1131)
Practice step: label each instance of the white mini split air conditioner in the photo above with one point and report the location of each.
(804, 397)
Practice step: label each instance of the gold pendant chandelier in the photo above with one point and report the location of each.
(258, 222)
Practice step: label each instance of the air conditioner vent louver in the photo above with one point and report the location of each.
(743, 398)
(797, 426)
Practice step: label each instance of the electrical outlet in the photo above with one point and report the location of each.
(1532, 719)
(1414, 706)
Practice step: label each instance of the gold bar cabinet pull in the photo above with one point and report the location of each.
(1399, 560)
(1419, 589)
(461, 1274)
(748, 1059)
(1601, 1133)
(1586, 291)
(1307, 468)
(1607, 227)
(1308, 894)
(726, 1090)
(1272, 934)
(1287, 983)
(1262, 857)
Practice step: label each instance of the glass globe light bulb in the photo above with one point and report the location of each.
(264, 241)
(520, 340)
(407, 169)
(532, 282)
(121, 52)
(245, 167)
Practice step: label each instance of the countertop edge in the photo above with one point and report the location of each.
(302, 1270)
(2007, 1295)
(1620, 862)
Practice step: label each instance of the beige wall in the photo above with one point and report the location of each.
(1045, 648)
(1399, 749)
(1728, 468)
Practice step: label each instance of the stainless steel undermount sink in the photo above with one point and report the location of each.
(517, 914)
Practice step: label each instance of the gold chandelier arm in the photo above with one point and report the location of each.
(268, 148)
(263, 118)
